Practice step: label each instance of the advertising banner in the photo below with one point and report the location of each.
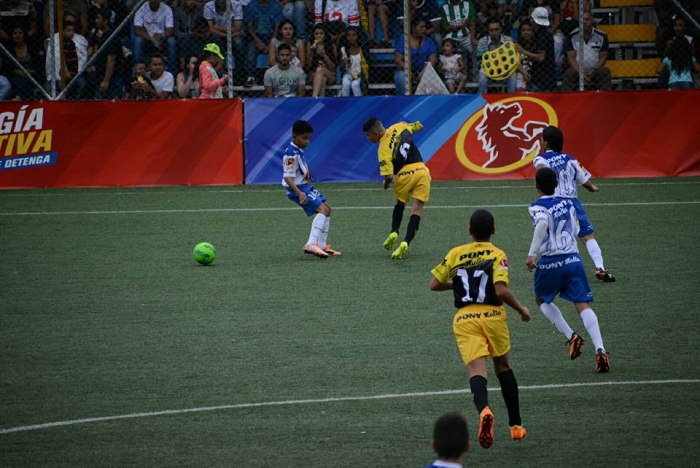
(492, 136)
(121, 143)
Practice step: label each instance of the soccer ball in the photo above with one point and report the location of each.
(204, 253)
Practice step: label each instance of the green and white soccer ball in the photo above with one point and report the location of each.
(204, 253)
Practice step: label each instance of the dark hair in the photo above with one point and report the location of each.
(156, 56)
(284, 46)
(415, 21)
(554, 138)
(680, 55)
(301, 127)
(546, 180)
(481, 224)
(294, 28)
(369, 124)
(195, 71)
(451, 435)
(494, 19)
(451, 41)
(106, 14)
(200, 23)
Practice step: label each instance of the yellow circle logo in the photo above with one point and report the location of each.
(504, 136)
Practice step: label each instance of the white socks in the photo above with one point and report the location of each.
(595, 253)
(323, 238)
(317, 235)
(590, 321)
(554, 315)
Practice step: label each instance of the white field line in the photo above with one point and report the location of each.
(327, 186)
(387, 207)
(203, 409)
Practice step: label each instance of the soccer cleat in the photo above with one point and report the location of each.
(575, 344)
(401, 251)
(602, 361)
(331, 252)
(486, 428)
(391, 240)
(604, 275)
(517, 432)
(315, 249)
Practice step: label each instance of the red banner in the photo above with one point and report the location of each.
(121, 143)
(614, 134)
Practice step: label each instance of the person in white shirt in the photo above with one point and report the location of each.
(154, 29)
(162, 80)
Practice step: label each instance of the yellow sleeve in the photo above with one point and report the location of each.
(415, 127)
(385, 153)
(500, 268)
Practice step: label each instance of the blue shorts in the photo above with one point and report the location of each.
(585, 226)
(314, 198)
(563, 275)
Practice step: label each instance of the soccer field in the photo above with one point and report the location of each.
(119, 350)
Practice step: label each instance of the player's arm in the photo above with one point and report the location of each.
(441, 280)
(507, 296)
(415, 127)
(589, 186)
(386, 183)
(386, 166)
(538, 238)
(295, 189)
(436, 285)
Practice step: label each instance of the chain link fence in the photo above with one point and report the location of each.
(147, 49)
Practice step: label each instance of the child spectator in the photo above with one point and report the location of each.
(141, 87)
(452, 65)
(75, 56)
(215, 15)
(458, 23)
(680, 64)
(210, 82)
(354, 64)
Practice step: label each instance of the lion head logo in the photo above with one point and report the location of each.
(502, 138)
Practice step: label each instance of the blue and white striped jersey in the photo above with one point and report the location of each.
(569, 171)
(562, 225)
(294, 166)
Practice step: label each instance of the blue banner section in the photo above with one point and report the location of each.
(29, 160)
(339, 150)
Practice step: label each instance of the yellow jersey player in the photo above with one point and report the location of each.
(477, 273)
(399, 157)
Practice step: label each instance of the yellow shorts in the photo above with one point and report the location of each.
(481, 330)
(413, 179)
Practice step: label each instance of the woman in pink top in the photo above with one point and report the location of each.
(209, 81)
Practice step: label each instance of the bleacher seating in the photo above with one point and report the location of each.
(631, 32)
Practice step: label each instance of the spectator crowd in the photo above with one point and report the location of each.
(318, 48)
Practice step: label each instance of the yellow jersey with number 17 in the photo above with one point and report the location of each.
(474, 269)
(396, 148)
